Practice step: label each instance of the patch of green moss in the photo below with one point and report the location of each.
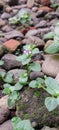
(55, 113)
(22, 106)
(26, 116)
(37, 93)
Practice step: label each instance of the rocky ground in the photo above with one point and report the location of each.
(12, 37)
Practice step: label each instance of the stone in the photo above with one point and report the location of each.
(2, 22)
(6, 125)
(12, 3)
(48, 128)
(57, 78)
(31, 33)
(45, 9)
(4, 113)
(50, 66)
(1, 50)
(11, 45)
(41, 24)
(34, 75)
(6, 28)
(30, 4)
(48, 43)
(13, 34)
(5, 15)
(34, 40)
(8, 9)
(16, 73)
(45, 2)
(4, 102)
(10, 61)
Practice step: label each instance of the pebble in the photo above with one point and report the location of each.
(50, 66)
(6, 125)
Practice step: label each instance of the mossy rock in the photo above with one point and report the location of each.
(32, 106)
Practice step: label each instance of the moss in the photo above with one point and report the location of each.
(21, 106)
(55, 113)
(37, 93)
(26, 116)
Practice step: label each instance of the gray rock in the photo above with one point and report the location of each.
(51, 65)
(4, 113)
(13, 34)
(48, 128)
(31, 33)
(5, 15)
(6, 126)
(34, 75)
(42, 23)
(3, 102)
(10, 61)
(6, 28)
(34, 40)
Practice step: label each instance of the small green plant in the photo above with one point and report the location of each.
(53, 48)
(51, 86)
(25, 58)
(19, 124)
(23, 17)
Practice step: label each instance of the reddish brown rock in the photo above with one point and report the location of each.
(45, 2)
(11, 45)
(45, 9)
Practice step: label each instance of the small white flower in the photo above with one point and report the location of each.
(27, 51)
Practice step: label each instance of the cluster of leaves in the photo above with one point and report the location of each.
(53, 48)
(51, 86)
(22, 17)
(19, 124)
(13, 89)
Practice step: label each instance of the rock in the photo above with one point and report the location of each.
(6, 125)
(30, 3)
(5, 15)
(3, 102)
(45, 2)
(48, 43)
(2, 22)
(13, 34)
(11, 45)
(8, 9)
(10, 61)
(16, 73)
(51, 15)
(45, 9)
(41, 24)
(34, 40)
(32, 106)
(50, 66)
(1, 5)
(48, 128)
(6, 28)
(4, 113)
(34, 75)
(34, 9)
(57, 78)
(31, 33)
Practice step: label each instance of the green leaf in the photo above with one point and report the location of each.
(53, 48)
(1, 62)
(23, 78)
(9, 78)
(6, 91)
(33, 84)
(49, 35)
(54, 5)
(24, 59)
(52, 86)
(18, 86)
(13, 97)
(35, 51)
(15, 121)
(22, 125)
(51, 103)
(2, 74)
(35, 66)
(40, 80)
